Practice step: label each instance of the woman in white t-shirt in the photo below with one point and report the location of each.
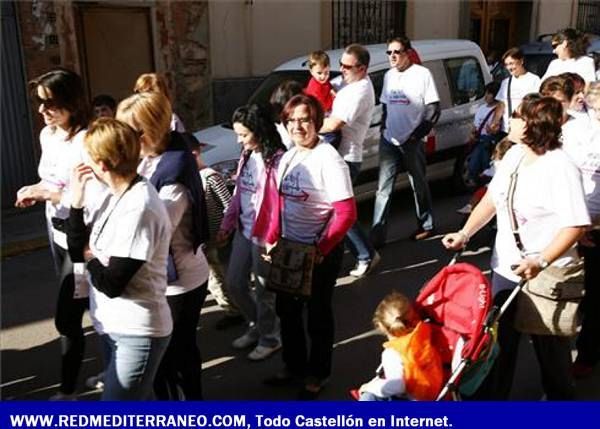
(550, 209)
(126, 252)
(61, 101)
(570, 46)
(170, 166)
(317, 207)
(247, 218)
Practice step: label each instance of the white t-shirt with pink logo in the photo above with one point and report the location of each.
(405, 94)
(248, 187)
(310, 182)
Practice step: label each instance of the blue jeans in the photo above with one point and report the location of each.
(479, 158)
(256, 305)
(131, 364)
(411, 157)
(357, 241)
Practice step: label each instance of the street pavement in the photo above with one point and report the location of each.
(30, 348)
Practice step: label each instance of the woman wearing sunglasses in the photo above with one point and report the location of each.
(62, 105)
(570, 47)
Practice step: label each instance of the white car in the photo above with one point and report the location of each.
(460, 73)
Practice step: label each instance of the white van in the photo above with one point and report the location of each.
(460, 73)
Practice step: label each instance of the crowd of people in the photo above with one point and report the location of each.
(139, 224)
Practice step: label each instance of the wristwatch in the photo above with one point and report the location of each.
(542, 263)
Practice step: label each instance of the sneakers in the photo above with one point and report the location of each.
(364, 267)
(263, 352)
(59, 396)
(465, 210)
(95, 382)
(422, 234)
(248, 339)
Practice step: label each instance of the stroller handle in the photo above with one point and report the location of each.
(455, 257)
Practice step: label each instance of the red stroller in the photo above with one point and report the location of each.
(457, 301)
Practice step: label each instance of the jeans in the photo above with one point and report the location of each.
(68, 320)
(588, 341)
(479, 158)
(257, 304)
(131, 364)
(298, 358)
(411, 157)
(357, 241)
(180, 370)
(553, 354)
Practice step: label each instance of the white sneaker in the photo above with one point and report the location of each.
(95, 382)
(248, 339)
(467, 209)
(364, 267)
(59, 396)
(263, 352)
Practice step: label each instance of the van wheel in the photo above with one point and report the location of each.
(461, 182)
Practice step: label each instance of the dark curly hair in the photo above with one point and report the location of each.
(67, 93)
(286, 90)
(561, 83)
(259, 120)
(543, 119)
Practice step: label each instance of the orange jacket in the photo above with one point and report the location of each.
(423, 372)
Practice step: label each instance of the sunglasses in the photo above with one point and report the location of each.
(47, 102)
(348, 66)
(396, 52)
(555, 45)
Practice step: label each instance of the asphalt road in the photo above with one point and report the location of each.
(30, 349)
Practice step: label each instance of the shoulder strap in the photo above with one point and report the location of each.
(511, 211)
(487, 118)
(509, 98)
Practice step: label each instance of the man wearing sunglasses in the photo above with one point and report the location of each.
(351, 114)
(411, 108)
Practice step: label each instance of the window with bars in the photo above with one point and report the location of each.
(588, 16)
(366, 22)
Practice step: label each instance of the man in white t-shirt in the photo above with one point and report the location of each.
(411, 108)
(351, 114)
(513, 89)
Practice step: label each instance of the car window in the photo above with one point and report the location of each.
(465, 79)
(377, 80)
(438, 72)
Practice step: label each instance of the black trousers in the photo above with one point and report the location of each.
(68, 320)
(298, 357)
(588, 341)
(553, 355)
(180, 370)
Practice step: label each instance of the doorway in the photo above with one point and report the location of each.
(115, 46)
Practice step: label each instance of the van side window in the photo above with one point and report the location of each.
(377, 80)
(465, 78)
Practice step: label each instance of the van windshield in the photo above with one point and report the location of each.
(273, 80)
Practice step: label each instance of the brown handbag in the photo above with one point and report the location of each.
(549, 303)
(292, 265)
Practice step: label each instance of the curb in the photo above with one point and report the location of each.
(19, 247)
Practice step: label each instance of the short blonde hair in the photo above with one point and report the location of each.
(592, 95)
(152, 82)
(149, 113)
(395, 315)
(318, 58)
(115, 144)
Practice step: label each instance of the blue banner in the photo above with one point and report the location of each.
(278, 415)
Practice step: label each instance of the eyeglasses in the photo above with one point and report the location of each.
(396, 52)
(348, 66)
(299, 121)
(47, 102)
(555, 45)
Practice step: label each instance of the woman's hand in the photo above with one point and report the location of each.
(268, 251)
(26, 197)
(222, 237)
(527, 268)
(455, 240)
(81, 175)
